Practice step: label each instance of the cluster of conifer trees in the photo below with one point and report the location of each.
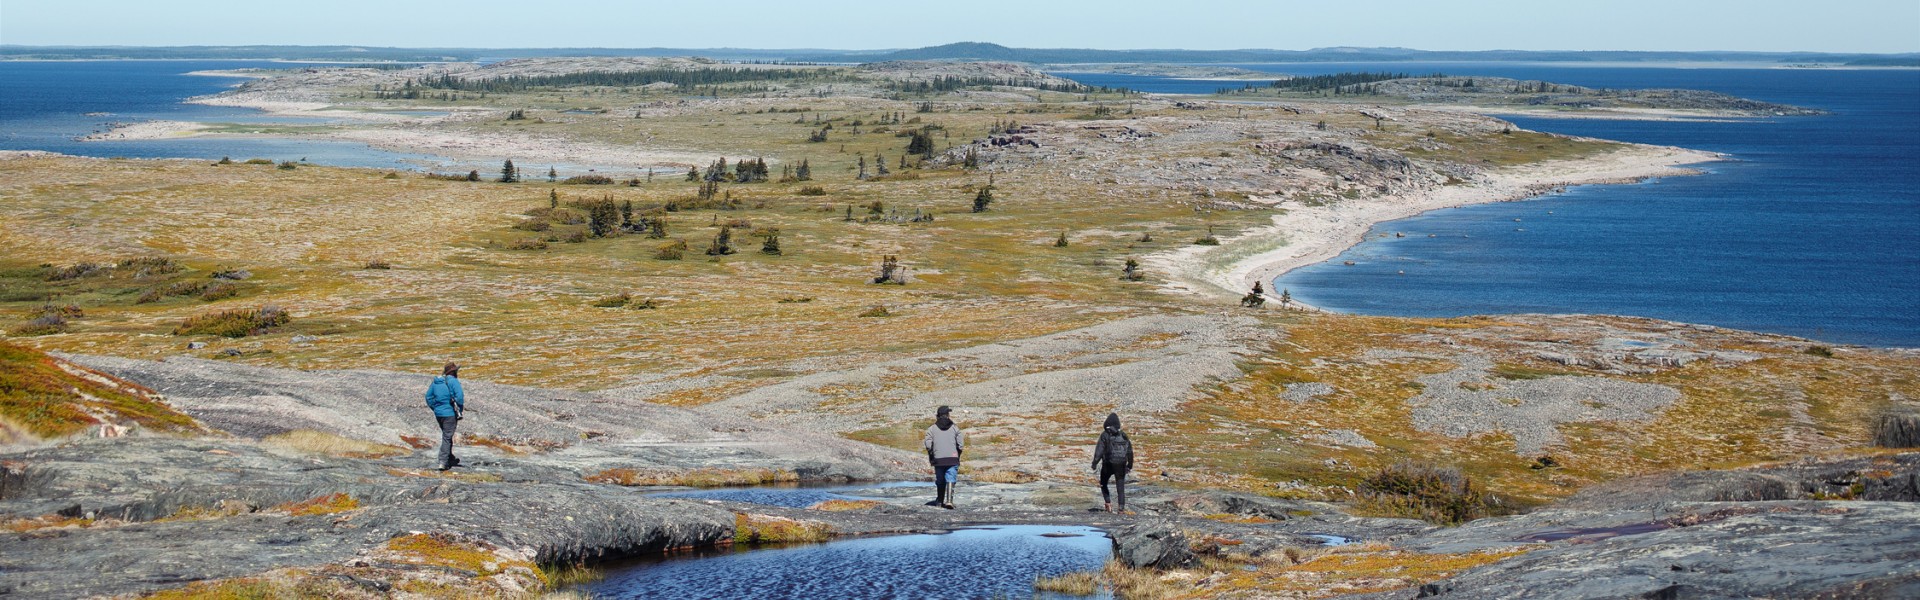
(688, 78)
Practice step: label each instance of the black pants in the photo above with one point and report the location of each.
(447, 425)
(1119, 475)
(941, 488)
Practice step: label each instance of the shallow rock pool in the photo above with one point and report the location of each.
(978, 562)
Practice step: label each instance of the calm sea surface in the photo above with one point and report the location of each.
(1812, 229)
(45, 105)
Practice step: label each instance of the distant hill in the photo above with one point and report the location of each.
(970, 51)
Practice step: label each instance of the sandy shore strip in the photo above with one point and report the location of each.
(147, 130)
(1305, 235)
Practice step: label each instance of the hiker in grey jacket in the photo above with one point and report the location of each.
(449, 404)
(944, 443)
(1113, 458)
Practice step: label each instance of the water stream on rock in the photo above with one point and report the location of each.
(793, 496)
(978, 562)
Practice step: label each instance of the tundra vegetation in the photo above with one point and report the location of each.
(956, 191)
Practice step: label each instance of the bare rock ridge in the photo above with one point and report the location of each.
(591, 431)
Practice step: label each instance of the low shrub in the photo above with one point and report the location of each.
(378, 264)
(1208, 241)
(76, 271)
(1440, 495)
(1820, 351)
(673, 250)
(219, 291)
(614, 301)
(45, 324)
(289, 165)
(259, 161)
(235, 323)
(527, 244)
(533, 224)
(877, 311)
(576, 237)
(142, 266)
(813, 190)
(587, 180)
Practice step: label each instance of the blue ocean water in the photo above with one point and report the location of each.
(45, 105)
(1812, 229)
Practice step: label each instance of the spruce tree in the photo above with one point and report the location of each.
(553, 199)
(508, 174)
(805, 172)
(552, 175)
(982, 199)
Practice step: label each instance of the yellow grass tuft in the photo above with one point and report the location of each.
(706, 477)
(320, 442)
(1004, 476)
(1072, 584)
(766, 529)
(320, 505)
(45, 522)
(845, 505)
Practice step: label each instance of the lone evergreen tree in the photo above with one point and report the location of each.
(982, 199)
(863, 168)
(553, 199)
(693, 174)
(1060, 242)
(508, 174)
(473, 175)
(891, 272)
(626, 214)
(722, 242)
(603, 217)
(805, 172)
(880, 163)
(921, 143)
(552, 175)
(770, 241)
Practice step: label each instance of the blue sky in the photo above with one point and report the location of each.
(1770, 25)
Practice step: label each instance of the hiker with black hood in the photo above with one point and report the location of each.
(944, 443)
(1113, 458)
(449, 404)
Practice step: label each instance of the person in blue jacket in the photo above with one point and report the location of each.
(449, 405)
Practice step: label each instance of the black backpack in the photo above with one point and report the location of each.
(1118, 448)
